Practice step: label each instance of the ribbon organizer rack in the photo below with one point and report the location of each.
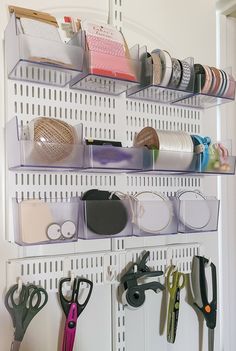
(109, 117)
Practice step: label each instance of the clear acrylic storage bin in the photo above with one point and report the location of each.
(167, 162)
(102, 219)
(204, 100)
(164, 91)
(38, 60)
(197, 215)
(108, 158)
(28, 155)
(107, 73)
(38, 222)
(153, 217)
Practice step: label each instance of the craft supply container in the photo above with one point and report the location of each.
(39, 60)
(33, 218)
(103, 219)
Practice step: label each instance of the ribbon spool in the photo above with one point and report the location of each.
(177, 147)
(53, 138)
(201, 146)
(153, 212)
(105, 213)
(194, 211)
(162, 78)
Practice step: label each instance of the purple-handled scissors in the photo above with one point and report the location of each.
(72, 308)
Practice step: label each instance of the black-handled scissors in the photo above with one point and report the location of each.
(72, 308)
(23, 307)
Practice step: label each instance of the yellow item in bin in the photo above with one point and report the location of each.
(53, 138)
(34, 218)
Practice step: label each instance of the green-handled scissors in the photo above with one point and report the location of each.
(23, 307)
(175, 282)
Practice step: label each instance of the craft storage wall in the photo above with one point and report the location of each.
(106, 324)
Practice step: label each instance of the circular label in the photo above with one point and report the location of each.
(68, 229)
(54, 231)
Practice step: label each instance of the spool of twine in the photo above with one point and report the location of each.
(53, 138)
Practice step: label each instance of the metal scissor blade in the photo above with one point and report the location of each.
(210, 339)
(15, 346)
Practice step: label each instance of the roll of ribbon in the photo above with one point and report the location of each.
(186, 75)
(177, 147)
(157, 68)
(201, 146)
(224, 83)
(208, 80)
(166, 64)
(200, 77)
(105, 213)
(176, 73)
(194, 211)
(230, 89)
(216, 81)
(153, 212)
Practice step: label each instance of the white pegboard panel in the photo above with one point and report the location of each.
(100, 267)
(115, 13)
(140, 114)
(166, 184)
(160, 258)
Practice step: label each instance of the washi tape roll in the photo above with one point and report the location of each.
(153, 212)
(193, 202)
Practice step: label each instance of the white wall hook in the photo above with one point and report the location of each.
(20, 284)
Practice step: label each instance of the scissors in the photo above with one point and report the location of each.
(174, 285)
(23, 307)
(200, 293)
(72, 308)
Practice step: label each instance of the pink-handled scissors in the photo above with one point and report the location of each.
(72, 307)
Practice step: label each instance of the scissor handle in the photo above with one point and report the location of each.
(174, 279)
(66, 302)
(29, 303)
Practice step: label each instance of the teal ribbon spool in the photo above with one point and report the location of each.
(203, 158)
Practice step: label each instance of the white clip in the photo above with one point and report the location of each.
(72, 279)
(110, 273)
(168, 267)
(20, 284)
(209, 262)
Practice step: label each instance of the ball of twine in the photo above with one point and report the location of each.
(53, 138)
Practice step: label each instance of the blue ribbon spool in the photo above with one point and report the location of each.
(202, 145)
